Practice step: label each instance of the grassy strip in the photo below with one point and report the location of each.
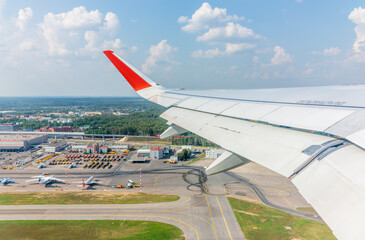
(82, 198)
(261, 222)
(88, 229)
(195, 160)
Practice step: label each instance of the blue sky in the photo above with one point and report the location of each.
(54, 48)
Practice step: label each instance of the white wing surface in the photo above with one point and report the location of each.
(314, 135)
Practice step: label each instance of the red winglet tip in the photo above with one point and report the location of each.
(137, 82)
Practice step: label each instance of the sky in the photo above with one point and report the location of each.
(54, 48)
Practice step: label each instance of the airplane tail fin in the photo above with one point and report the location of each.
(83, 183)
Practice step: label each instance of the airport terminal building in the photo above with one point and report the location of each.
(20, 142)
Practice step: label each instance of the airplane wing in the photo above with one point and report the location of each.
(315, 136)
(57, 179)
(40, 176)
(32, 180)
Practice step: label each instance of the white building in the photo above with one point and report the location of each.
(156, 152)
(213, 153)
(55, 147)
(188, 147)
(20, 142)
(143, 153)
(121, 147)
(79, 148)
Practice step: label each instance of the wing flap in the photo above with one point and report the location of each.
(279, 149)
(334, 186)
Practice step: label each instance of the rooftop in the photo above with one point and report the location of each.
(18, 137)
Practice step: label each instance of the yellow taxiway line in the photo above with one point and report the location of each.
(229, 233)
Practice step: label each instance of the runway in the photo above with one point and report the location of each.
(199, 217)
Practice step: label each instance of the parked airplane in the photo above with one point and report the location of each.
(45, 179)
(89, 182)
(42, 165)
(72, 165)
(315, 136)
(6, 181)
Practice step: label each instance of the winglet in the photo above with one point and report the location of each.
(135, 78)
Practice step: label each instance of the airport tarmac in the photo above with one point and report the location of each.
(203, 212)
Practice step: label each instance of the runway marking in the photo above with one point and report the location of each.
(211, 217)
(197, 204)
(225, 222)
(255, 194)
(279, 192)
(117, 215)
(280, 188)
(85, 211)
(154, 186)
(225, 189)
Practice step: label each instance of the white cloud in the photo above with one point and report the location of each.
(308, 71)
(210, 53)
(232, 31)
(233, 68)
(182, 19)
(24, 15)
(230, 48)
(78, 17)
(64, 31)
(205, 17)
(57, 27)
(160, 54)
(255, 59)
(221, 30)
(133, 49)
(238, 47)
(280, 56)
(112, 44)
(111, 21)
(357, 16)
(26, 45)
(332, 51)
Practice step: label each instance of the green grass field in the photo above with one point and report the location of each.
(82, 198)
(261, 222)
(88, 229)
(195, 159)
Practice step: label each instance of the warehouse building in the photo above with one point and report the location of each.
(55, 147)
(20, 142)
(143, 153)
(155, 152)
(79, 148)
(119, 147)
